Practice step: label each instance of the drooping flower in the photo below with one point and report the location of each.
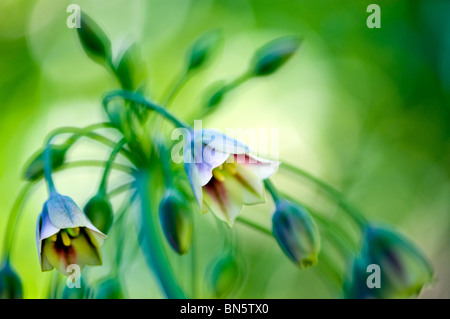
(224, 174)
(65, 236)
(404, 270)
(296, 233)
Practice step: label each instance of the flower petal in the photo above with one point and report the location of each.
(63, 212)
(83, 250)
(261, 167)
(220, 142)
(224, 199)
(194, 180)
(252, 185)
(211, 159)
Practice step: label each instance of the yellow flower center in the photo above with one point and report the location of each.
(66, 235)
(228, 167)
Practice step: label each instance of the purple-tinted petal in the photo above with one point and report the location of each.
(63, 212)
(194, 180)
(211, 159)
(221, 142)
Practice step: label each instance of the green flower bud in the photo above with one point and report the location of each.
(224, 273)
(100, 212)
(124, 69)
(296, 233)
(217, 97)
(35, 169)
(109, 288)
(274, 54)
(176, 220)
(202, 49)
(94, 41)
(404, 270)
(10, 284)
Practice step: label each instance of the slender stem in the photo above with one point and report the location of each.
(254, 225)
(138, 98)
(194, 261)
(347, 207)
(121, 234)
(87, 132)
(239, 80)
(176, 88)
(151, 241)
(272, 190)
(103, 184)
(77, 130)
(120, 189)
(13, 219)
(165, 164)
(48, 168)
(96, 163)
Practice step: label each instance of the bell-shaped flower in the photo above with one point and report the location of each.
(65, 236)
(224, 174)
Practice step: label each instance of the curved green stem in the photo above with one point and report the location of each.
(358, 218)
(87, 132)
(48, 168)
(254, 225)
(103, 184)
(151, 240)
(176, 88)
(96, 163)
(13, 218)
(138, 98)
(272, 190)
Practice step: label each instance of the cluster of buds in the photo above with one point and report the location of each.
(224, 174)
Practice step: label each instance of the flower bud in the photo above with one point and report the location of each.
(94, 41)
(124, 69)
(109, 289)
(274, 54)
(202, 48)
(296, 233)
(176, 220)
(217, 97)
(404, 270)
(10, 284)
(99, 211)
(35, 168)
(224, 274)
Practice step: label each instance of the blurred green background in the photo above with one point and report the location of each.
(367, 110)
